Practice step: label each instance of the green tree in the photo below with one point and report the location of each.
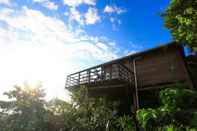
(25, 110)
(177, 111)
(94, 114)
(125, 123)
(88, 114)
(181, 18)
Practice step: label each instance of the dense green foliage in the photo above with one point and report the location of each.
(26, 110)
(88, 114)
(181, 18)
(95, 114)
(177, 111)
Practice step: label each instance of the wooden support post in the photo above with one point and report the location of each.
(136, 99)
(187, 74)
(135, 95)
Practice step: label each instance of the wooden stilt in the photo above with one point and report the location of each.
(136, 99)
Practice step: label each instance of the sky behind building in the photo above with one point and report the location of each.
(44, 40)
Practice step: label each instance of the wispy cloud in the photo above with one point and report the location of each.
(75, 15)
(135, 46)
(113, 9)
(48, 4)
(75, 3)
(92, 17)
(47, 49)
(88, 18)
(5, 2)
(115, 23)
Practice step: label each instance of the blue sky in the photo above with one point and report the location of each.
(44, 40)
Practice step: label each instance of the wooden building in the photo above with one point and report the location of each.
(135, 76)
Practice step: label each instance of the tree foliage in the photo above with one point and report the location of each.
(94, 114)
(181, 18)
(177, 111)
(25, 110)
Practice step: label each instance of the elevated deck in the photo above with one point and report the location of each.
(102, 79)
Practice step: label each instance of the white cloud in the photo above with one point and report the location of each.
(92, 17)
(88, 18)
(5, 2)
(113, 9)
(75, 3)
(48, 4)
(115, 23)
(102, 46)
(131, 52)
(75, 15)
(135, 46)
(45, 50)
(39, 1)
(112, 20)
(90, 2)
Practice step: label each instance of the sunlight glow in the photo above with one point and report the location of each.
(46, 50)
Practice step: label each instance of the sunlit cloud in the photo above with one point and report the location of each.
(113, 9)
(75, 15)
(135, 46)
(5, 2)
(92, 17)
(46, 50)
(115, 23)
(89, 18)
(47, 3)
(75, 3)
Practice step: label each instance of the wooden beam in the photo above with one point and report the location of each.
(136, 85)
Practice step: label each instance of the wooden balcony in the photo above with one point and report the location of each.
(114, 75)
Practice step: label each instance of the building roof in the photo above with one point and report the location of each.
(134, 55)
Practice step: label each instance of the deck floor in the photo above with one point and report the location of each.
(112, 88)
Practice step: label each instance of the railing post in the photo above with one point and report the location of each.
(110, 77)
(119, 75)
(102, 74)
(79, 79)
(66, 82)
(88, 76)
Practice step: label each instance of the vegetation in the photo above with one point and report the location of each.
(181, 18)
(177, 111)
(24, 111)
(27, 110)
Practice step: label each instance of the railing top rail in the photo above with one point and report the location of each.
(88, 69)
(99, 73)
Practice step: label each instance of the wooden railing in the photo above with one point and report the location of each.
(100, 74)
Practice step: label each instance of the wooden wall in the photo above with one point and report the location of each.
(160, 66)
